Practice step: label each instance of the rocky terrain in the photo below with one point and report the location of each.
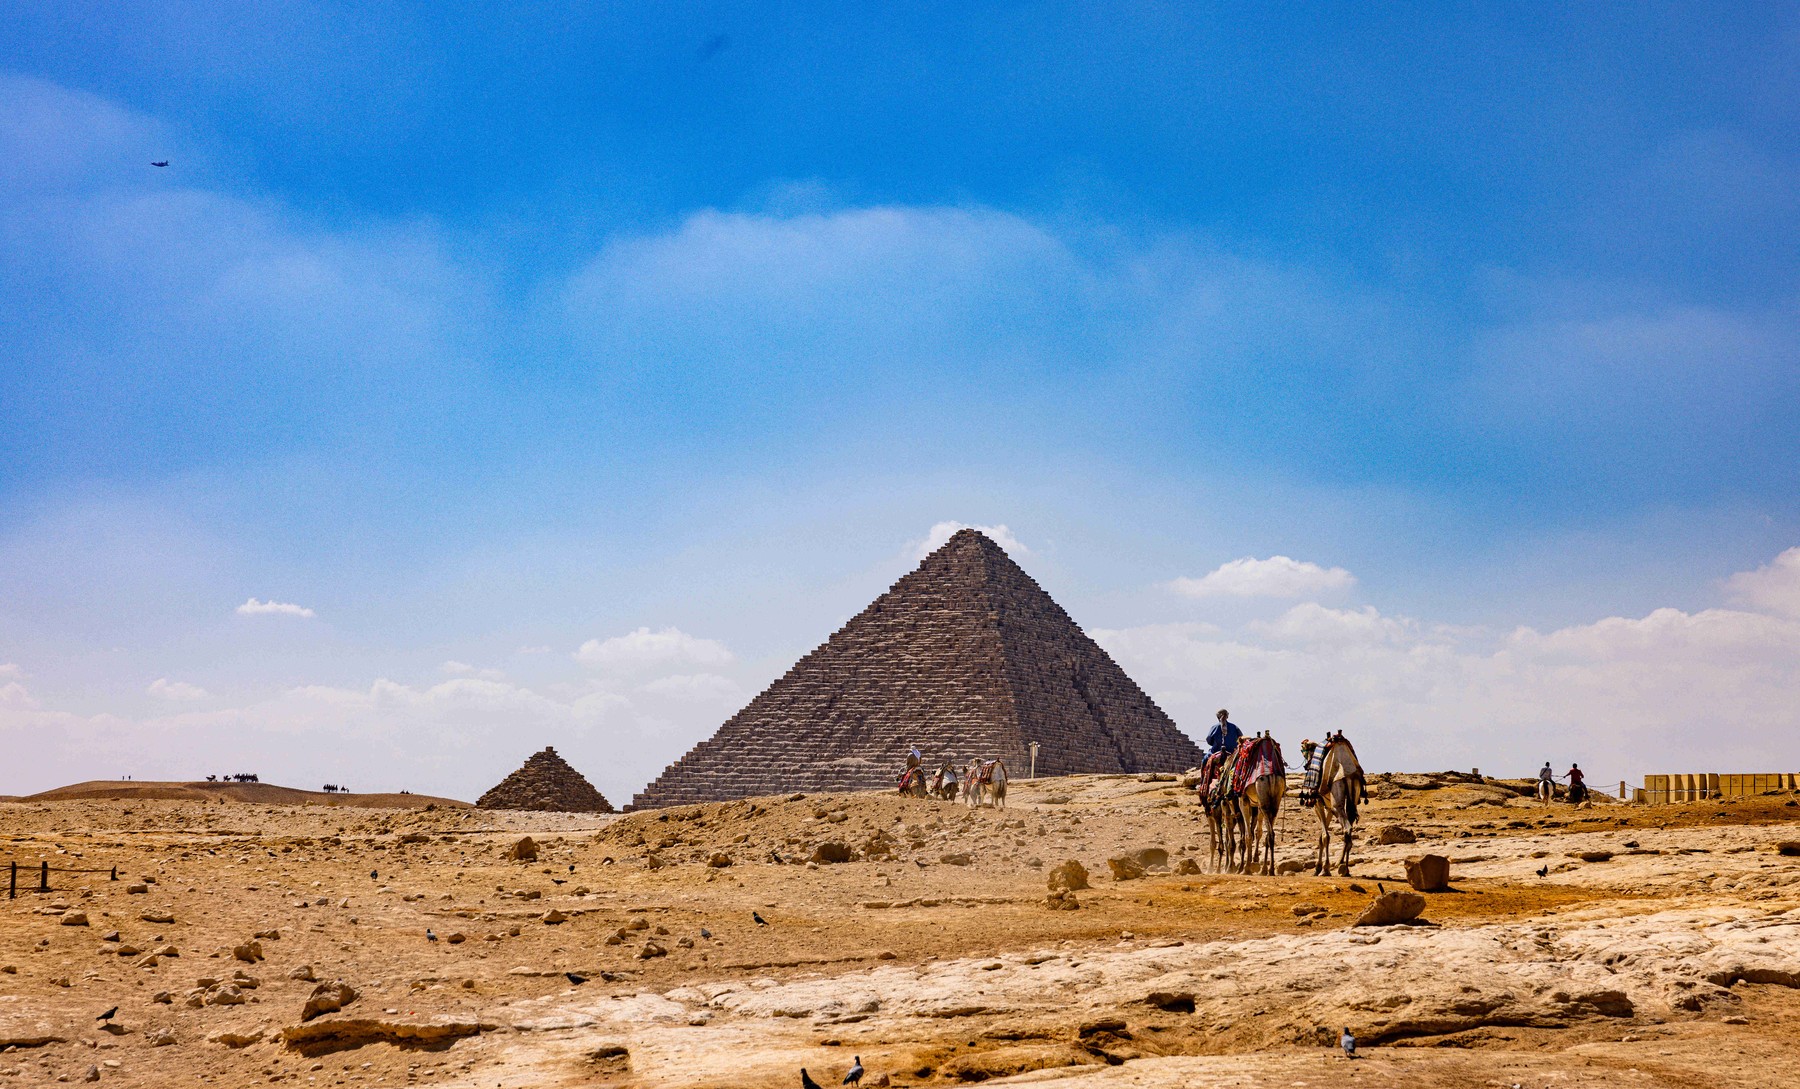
(248, 943)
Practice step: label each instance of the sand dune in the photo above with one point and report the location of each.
(255, 793)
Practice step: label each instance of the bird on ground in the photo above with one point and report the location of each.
(854, 1077)
(705, 933)
(760, 921)
(558, 881)
(165, 162)
(806, 1081)
(429, 935)
(374, 875)
(1348, 1043)
(575, 979)
(108, 1015)
(1544, 870)
(571, 867)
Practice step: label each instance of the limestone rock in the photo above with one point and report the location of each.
(1428, 873)
(546, 783)
(328, 998)
(1068, 877)
(336, 1034)
(1788, 847)
(75, 918)
(1061, 900)
(249, 952)
(525, 850)
(1138, 863)
(966, 655)
(1396, 833)
(832, 851)
(1391, 908)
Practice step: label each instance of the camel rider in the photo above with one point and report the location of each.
(913, 757)
(1225, 736)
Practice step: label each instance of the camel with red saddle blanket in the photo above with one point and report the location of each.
(985, 779)
(1241, 791)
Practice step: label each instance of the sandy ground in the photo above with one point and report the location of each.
(1668, 956)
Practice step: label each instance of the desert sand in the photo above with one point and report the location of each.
(1660, 946)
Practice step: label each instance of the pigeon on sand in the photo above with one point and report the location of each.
(806, 1081)
(1348, 1043)
(760, 921)
(854, 1077)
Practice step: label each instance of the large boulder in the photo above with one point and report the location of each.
(525, 850)
(328, 998)
(1068, 877)
(1138, 863)
(1390, 908)
(1396, 833)
(1428, 873)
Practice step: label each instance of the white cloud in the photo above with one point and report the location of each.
(253, 607)
(1771, 588)
(695, 688)
(644, 650)
(11, 669)
(1668, 691)
(14, 694)
(1277, 576)
(455, 668)
(179, 691)
(938, 535)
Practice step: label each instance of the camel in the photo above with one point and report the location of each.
(943, 784)
(912, 782)
(1257, 808)
(1222, 822)
(1341, 789)
(985, 777)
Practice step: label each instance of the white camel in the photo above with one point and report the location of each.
(985, 778)
(1341, 790)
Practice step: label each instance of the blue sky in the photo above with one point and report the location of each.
(485, 336)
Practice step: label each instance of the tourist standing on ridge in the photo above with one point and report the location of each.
(1224, 737)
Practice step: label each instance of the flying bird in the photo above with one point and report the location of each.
(429, 936)
(713, 46)
(165, 162)
(854, 1077)
(108, 1015)
(1348, 1043)
(760, 921)
(806, 1081)
(575, 979)
(1544, 870)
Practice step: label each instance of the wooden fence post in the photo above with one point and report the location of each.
(43, 877)
(115, 873)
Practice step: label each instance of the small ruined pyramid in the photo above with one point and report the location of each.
(546, 782)
(964, 657)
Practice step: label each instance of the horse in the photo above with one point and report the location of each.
(1341, 789)
(1546, 791)
(985, 777)
(1258, 806)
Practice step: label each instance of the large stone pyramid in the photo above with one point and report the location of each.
(964, 657)
(546, 783)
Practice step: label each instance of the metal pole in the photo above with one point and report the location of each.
(1034, 748)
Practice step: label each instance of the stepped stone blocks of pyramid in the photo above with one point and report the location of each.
(546, 783)
(965, 657)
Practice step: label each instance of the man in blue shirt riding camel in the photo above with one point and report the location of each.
(1224, 737)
